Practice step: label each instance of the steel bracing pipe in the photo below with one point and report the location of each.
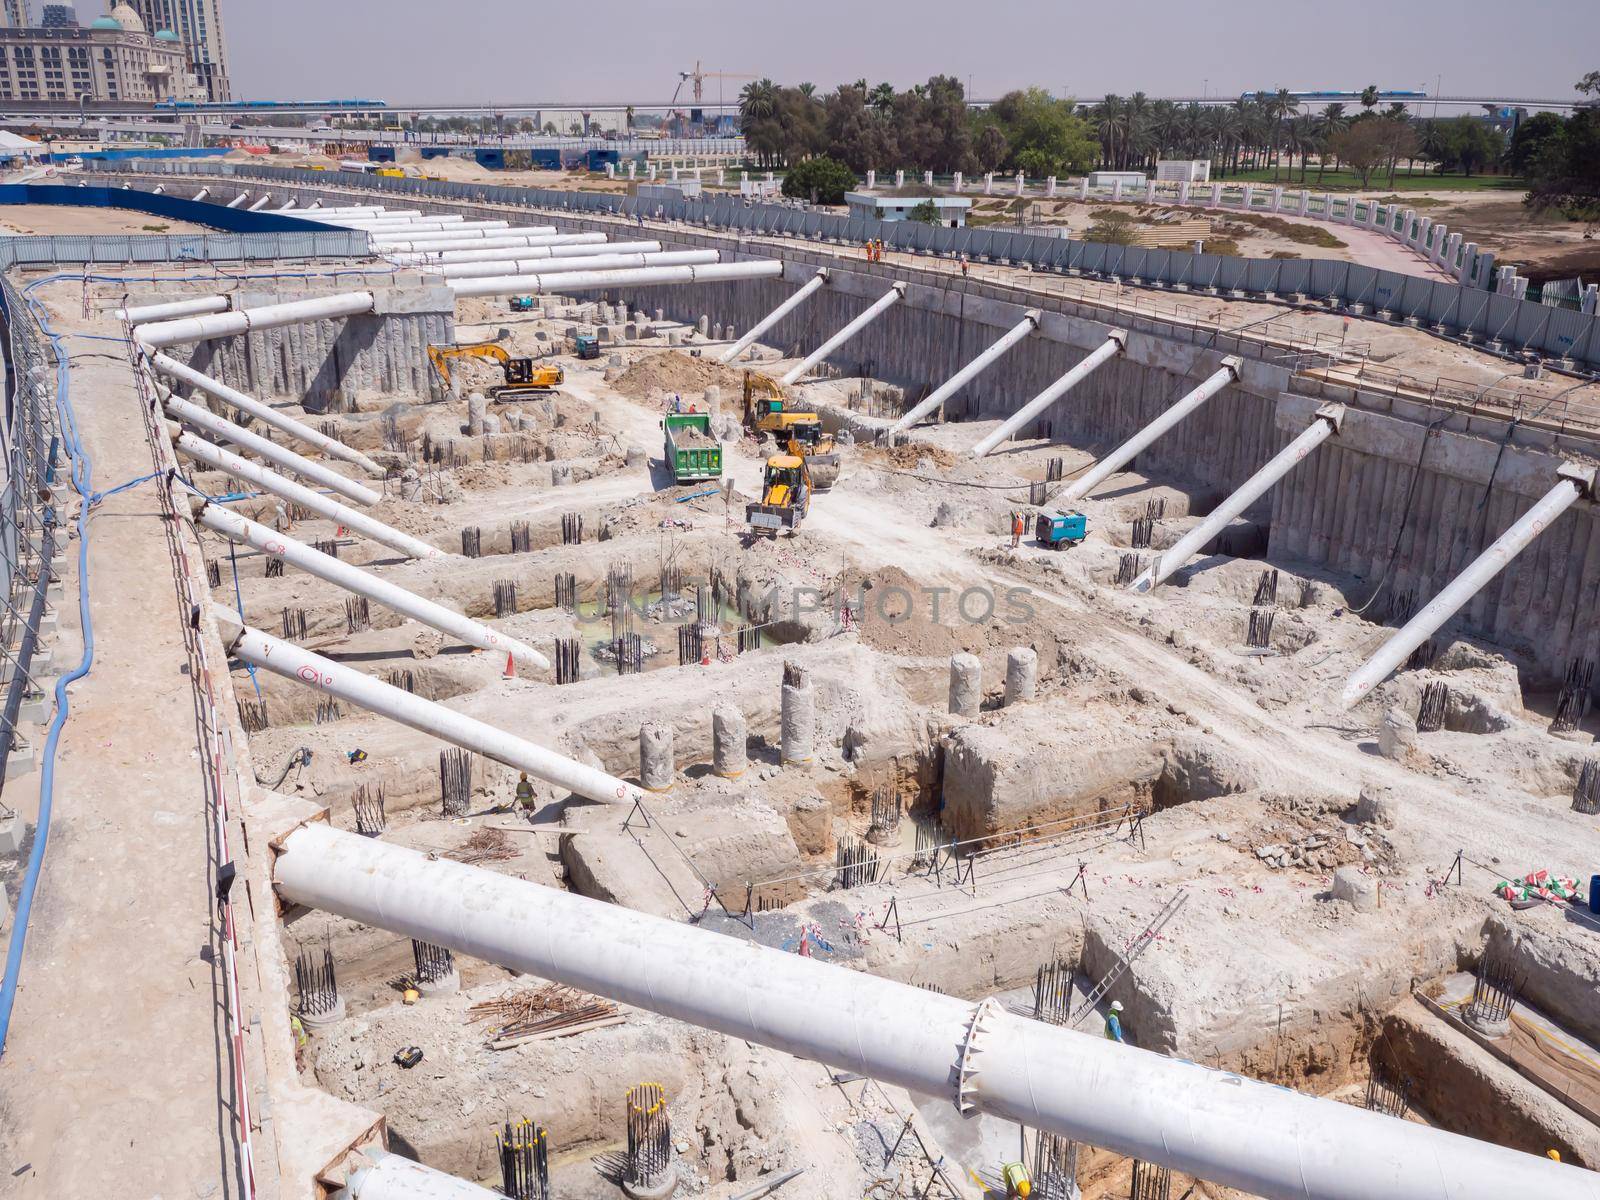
(266, 480)
(1575, 482)
(400, 228)
(776, 315)
(264, 413)
(162, 334)
(427, 716)
(261, 203)
(1323, 426)
(203, 419)
(968, 373)
(1125, 453)
(584, 281)
(461, 238)
(1115, 341)
(1215, 1125)
(238, 200)
(392, 1177)
(436, 219)
(201, 194)
(881, 305)
(427, 244)
(241, 529)
(596, 262)
(528, 253)
(174, 308)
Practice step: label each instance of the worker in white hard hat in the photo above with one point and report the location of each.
(1114, 1023)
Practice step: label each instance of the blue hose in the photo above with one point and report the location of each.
(82, 483)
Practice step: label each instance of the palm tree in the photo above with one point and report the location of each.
(882, 97)
(1369, 96)
(1300, 136)
(1138, 122)
(1332, 121)
(809, 90)
(1278, 106)
(1110, 120)
(628, 117)
(1166, 125)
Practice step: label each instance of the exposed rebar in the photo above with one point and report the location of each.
(856, 862)
(1267, 589)
(1129, 569)
(569, 653)
(1260, 632)
(1430, 713)
(1055, 1167)
(1494, 992)
(649, 1134)
(1586, 793)
(357, 614)
(472, 541)
(1150, 1182)
(521, 537)
(1052, 993)
(328, 546)
(571, 529)
(403, 678)
(1576, 696)
(371, 819)
(524, 1152)
(294, 624)
(433, 962)
(253, 716)
(316, 983)
(455, 781)
(274, 568)
(505, 597)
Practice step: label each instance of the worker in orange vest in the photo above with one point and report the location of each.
(1016, 528)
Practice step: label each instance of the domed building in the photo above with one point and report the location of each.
(115, 57)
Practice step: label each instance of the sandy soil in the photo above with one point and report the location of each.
(40, 218)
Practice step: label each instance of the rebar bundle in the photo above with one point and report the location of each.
(294, 624)
(1430, 714)
(1267, 589)
(521, 537)
(705, 606)
(316, 983)
(505, 597)
(886, 809)
(539, 1010)
(274, 568)
(403, 678)
(1143, 528)
(328, 711)
(1129, 569)
(629, 649)
(524, 1152)
(1573, 703)
(433, 962)
(1038, 493)
(572, 529)
(926, 849)
(485, 845)
(1400, 608)
(328, 546)
(296, 511)
(856, 861)
(357, 614)
(1260, 633)
(749, 638)
(1494, 992)
(253, 715)
(367, 803)
(690, 645)
(671, 580)
(1156, 509)
(472, 541)
(1053, 470)
(1422, 657)
(214, 574)
(1585, 795)
(1055, 1167)
(1150, 1182)
(1387, 1095)
(568, 657)
(649, 1134)
(1052, 993)
(619, 589)
(567, 592)
(455, 781)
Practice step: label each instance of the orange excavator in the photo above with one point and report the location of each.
(524, 380)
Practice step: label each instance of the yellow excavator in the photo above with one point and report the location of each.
(800, 433)
(523, 379)
(785, 497)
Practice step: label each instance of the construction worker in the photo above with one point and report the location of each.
(1015, 1176)
(525, 795)
(963, 266)
(1553, 1155)
(1016, 528)
(1114, 1023)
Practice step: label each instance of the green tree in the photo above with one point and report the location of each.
(1043, 135)
(926, 211)
(1564, 173)
(1369, 96)
(820, 180)
(1364, 147)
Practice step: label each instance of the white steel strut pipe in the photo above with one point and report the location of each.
(878, 307)
(391, 1177)
(594, 262)
(1575, 482)
(265, 413)
(459, 238)
(971, 371)
(282, 457)
(162, 334)
(1323, 425)
(201, 194)
(1125, 453)
(776, 315)
(174, 308)
(260, 477)
(427, 243)
(528, 253)
(1115, 341)
(400, 228)
(585, 281)
(238, 200)
(261, 203)
(354, 579)
(427, 716)
(440, 219)
(1214, 1125)
(288, 206)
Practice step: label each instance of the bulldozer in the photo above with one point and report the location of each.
(523, 379)
(800, 433)
(785, 497)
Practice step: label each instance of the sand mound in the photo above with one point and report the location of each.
(674, 372)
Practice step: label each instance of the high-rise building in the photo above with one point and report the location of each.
(16, 14)
(58, 16)
(114, 58)
(198, 24)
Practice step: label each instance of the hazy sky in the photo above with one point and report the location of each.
(488, 50)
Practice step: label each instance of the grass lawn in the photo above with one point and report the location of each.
(1349, 181)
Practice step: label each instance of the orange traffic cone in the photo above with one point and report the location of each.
(511, 667)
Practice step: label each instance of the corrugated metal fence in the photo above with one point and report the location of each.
(1471, 313)
(73, 249)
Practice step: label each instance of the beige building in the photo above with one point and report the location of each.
(198, 24)
(114, 58)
